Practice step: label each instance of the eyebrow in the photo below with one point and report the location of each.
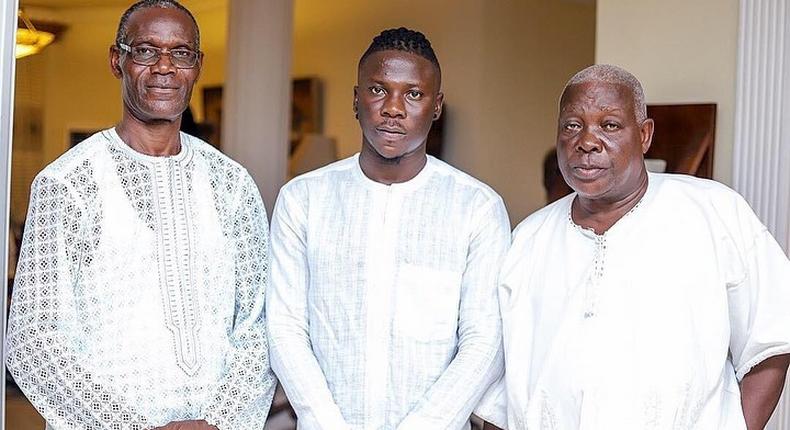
(605, 108)
(409, 84)
(610, 108)
(148, 41)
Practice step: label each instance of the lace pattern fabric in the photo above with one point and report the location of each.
(140, 288)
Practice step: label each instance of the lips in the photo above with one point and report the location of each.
(163, 92)
(161, 84)
(588, 171)
(161, 88)
(390, 132)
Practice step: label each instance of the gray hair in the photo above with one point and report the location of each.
(123, 26)
(613, 75)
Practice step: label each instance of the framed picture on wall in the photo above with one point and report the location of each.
(306, 114)
(306, 110)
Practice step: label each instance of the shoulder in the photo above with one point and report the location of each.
(463, 183)
(691, 185)
(325, 175)
(531, 225)
(683, 191)
(461, 178)
(702, 209)
(212, 155)
(227, 175)
(76, 159)
(72, 176)
(295, 195)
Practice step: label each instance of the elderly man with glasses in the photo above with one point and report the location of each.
(140, 287)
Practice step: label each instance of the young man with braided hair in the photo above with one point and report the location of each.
(139, 293)
(383, 309)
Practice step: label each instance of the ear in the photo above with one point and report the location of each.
(115, 62)
(646, 134)
(438, 106)
(355, 105)
(199, 65)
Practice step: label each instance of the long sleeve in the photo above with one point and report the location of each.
(242, 397)
(292, 355)
(43, 339)
(760, 298)
(493, 404)
(449, 403)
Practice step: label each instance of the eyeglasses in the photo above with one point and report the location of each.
(146, 55)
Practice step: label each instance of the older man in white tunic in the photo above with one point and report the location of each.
(139, 293)
(383, 309)
(641, 301)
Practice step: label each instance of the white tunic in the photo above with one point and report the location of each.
(648, 326)
(383, 308)
(140, 289)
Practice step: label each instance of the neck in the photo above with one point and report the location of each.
(601, 214)
(157, 138)
(390, 171)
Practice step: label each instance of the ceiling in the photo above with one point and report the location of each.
(193, 5)
(57, 4)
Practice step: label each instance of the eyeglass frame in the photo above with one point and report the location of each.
(160, 51)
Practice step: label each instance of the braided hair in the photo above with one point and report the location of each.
(403, 39)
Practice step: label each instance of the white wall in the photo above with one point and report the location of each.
(70, 81)
(681, 51)
(503, 62)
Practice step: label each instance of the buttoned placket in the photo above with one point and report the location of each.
(381, 274)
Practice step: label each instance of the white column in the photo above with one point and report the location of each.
(7, 65)
(761, 161)
(256, 105)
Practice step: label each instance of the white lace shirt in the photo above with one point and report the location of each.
(648, 326)
(383, 308)
(140, 288)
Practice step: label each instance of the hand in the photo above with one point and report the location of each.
(187, 425)
(489, 426)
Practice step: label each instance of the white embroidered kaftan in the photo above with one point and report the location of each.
(140, 289)
(383, 308)
(648, 326)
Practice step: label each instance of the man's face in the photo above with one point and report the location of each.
(397, 98)
(600, 144)
(161, 91)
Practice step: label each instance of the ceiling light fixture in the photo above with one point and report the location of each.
(29, 40)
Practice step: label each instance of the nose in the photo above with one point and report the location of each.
(588, 141)
(164, 65)
(393, 106)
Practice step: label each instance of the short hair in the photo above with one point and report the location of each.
(612, 75)
(123, 26)
(403, 39)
